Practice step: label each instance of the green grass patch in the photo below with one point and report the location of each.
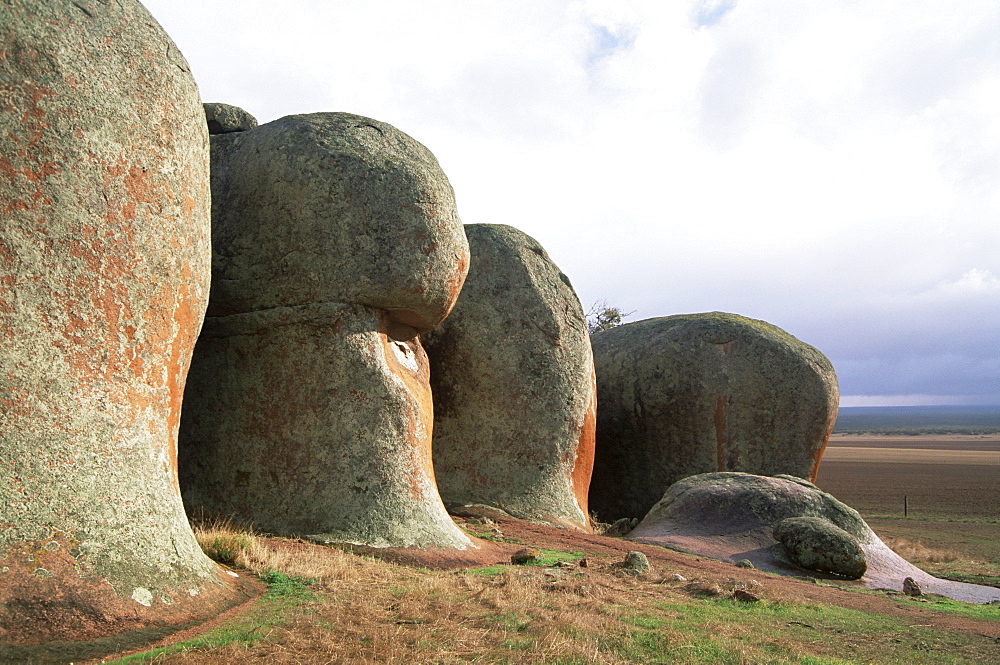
(546, 559)
(723, 631)
(284, 594)
(975, 611)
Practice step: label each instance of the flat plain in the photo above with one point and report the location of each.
(950, 484)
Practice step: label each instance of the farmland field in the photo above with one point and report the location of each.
(941, 477)
(951, 485)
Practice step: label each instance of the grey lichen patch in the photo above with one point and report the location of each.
(142, 596)
(42, 573)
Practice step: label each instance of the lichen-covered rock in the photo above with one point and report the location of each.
(815, 543)
(512, 378)
(308, 410)
(226, 118)
(732, 516)
(333, 207)
(315, 421)
(104, 262)
(720, 503)
(696, 393)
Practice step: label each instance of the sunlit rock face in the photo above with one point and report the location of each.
(333, 207)
(104, 261)
(308, 410)
(512, 376)
(695, 393)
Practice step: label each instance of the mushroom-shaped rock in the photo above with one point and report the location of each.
(819, 544)
(733, 516)
(104, 261)
(308, 409)
(696, 393)
(333, 207)
(512, 378)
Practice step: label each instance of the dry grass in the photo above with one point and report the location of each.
(362, 610)
(372, 611)
(915, 551)
(241, 548)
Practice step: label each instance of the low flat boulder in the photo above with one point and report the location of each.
(696, 393)
(732, 516)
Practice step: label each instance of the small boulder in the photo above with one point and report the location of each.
(815, 543)
(621, 526)
(911, 587)
(637, 561)
(744, 563)
(704, 589)
(225, 118)
(525, 556)
(745, 596)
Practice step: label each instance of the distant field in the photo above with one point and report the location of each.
(951, 485)
(941, 478)
(899, 420)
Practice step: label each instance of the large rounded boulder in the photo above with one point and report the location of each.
(104, 261)
(513, 384)
(695, 393)
(308, 410)
(333, 207)
(784, 525)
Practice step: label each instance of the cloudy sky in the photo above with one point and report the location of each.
(830, 167)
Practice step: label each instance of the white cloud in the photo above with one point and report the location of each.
(832, 166)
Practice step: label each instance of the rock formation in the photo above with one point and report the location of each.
(225, 118)
(818, 544)
(308, 410)
(104, 261)
(734, 516)
(695, 393)
(512, 379)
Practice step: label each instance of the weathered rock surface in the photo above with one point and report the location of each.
(911, 587)
(104, 262)
(308, 410)
(226, 118)
(333, 207)
(695, 393)
(817, 544)
(314, 421)
(513, 385)
(733, 516)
